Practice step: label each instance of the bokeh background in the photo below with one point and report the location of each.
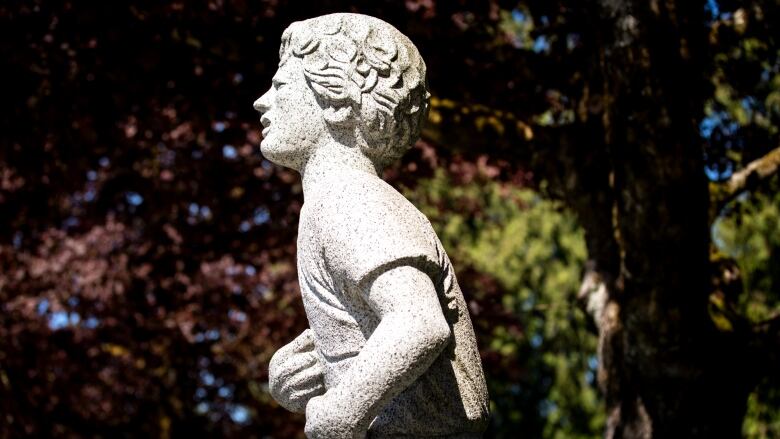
(147, 249)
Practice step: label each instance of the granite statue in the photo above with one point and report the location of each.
(390, 351)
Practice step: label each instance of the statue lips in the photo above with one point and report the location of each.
(266, 124)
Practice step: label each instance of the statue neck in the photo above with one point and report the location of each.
(330, 159)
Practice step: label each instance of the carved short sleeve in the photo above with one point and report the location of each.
(371, 229)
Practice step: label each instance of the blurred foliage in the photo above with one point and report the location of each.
(748, 233)
(541, 363)
(147, 250)
(762, 420)
(742, 116)
(741, 124)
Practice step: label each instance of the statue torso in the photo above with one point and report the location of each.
(351, 229)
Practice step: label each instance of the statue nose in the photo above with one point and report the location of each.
(258, 105)
(263, 103)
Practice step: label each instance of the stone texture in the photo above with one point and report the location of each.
(391, 350)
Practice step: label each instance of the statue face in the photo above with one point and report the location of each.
(292, 120)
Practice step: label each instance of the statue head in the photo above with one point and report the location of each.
(348, 78)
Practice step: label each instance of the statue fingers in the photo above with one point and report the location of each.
(293, 365)
(304, 342)
(296, 399)
(281, 373)
(302, 396)
(306, 378)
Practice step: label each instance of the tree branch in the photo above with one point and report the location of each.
(752, 175)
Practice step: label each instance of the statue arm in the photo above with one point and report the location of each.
(411, 334)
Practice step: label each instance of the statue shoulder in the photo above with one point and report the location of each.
(360, 198)
(367, 224)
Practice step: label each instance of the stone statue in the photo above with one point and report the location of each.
(390, 351)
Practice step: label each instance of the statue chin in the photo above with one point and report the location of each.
(281, 156)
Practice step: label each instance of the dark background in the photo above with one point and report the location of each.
(147, 250)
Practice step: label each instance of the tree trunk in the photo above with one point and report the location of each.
(632, 169)
(664, 368)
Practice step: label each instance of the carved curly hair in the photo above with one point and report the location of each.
(366, 75)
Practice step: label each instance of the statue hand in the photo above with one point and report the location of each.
(295, 374)
(326, 420)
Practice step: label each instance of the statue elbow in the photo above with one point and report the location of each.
(439, 332)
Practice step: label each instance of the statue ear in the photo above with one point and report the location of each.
(336, 116)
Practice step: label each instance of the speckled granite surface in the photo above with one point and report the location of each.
(391, 351)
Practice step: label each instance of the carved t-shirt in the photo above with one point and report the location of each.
(353, 228)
